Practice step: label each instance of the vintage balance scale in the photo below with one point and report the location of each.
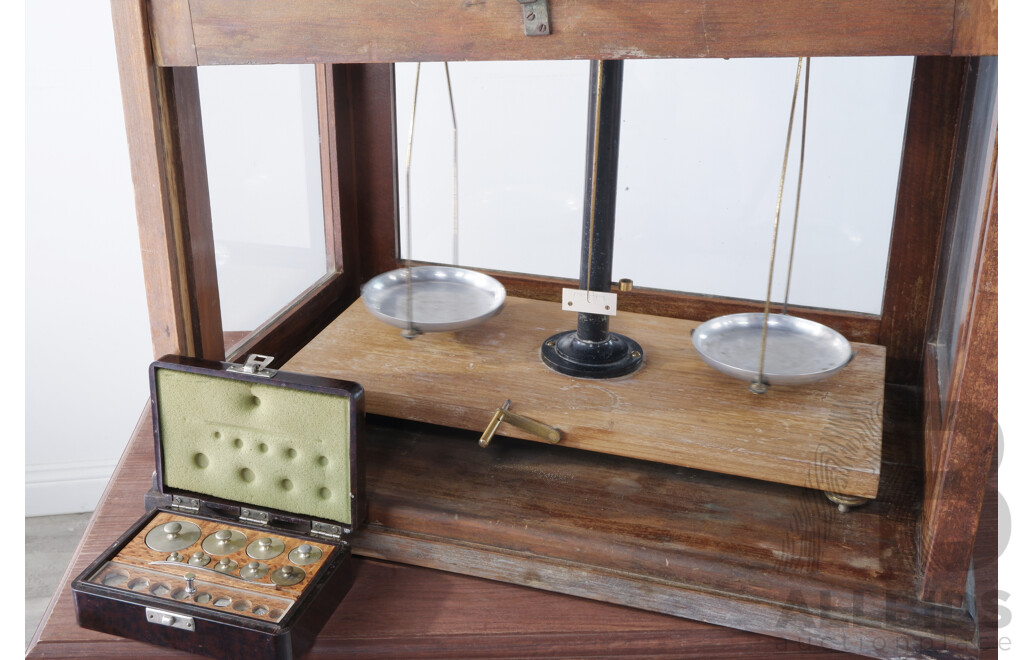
(645, 392)
(720, 543)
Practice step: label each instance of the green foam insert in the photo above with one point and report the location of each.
(255, 444)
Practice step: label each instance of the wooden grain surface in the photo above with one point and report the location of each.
(976, 27)
(397, 610)
(674, 410)
(165, 142)
(171, 21)
(757, 556)
(928, 147)
(265, 31)
(152, 172)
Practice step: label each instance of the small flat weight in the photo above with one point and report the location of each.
(254, 570)
(224, 542)
(305, 554)
(226, 566)
(286, 576)
(199, 559)
(173, 536)
(265, 548)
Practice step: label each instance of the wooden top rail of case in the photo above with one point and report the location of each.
(674, 410)
(191, 33)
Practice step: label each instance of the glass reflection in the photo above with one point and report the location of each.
(263, 158)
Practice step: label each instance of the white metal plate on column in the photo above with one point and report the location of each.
(590, 302)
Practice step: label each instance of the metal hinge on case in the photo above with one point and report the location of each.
(325, 531)
(255, 365)
(535, 18)
(254, 516)
(189, 504)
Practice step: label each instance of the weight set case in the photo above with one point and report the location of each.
(257, 487)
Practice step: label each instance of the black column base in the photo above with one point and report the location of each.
(616, 356)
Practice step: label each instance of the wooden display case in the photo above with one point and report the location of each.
(889, 580)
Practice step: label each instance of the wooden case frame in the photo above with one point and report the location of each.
(160, 42)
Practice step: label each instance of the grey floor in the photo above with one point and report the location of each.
(49, 541)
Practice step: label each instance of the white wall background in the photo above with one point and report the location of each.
(87, 332)
(87, 329)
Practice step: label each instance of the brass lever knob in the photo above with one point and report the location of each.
(543, 431)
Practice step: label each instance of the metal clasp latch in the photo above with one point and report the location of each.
(535, 18)
(255, 365)
(543, 431)
(170, 619)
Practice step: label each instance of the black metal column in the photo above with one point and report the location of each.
(591, 351)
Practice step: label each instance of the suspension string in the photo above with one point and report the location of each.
(455, 171)
(410, 330)
(593, 168)
(799, 183)
(759, 386)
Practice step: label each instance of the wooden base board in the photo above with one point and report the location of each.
(674, 410)
(756, 556)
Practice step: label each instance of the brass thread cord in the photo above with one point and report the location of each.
(760, 384)
(593, 169)
(411, 329)
(799, 184)
(455, 171)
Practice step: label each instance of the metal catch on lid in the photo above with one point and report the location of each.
(255, 365)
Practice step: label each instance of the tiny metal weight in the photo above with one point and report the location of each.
(305, 554)
(176, 556)
(254, 570)
(172, 536)
(224, 542)
(265, 548)
(226, 566)
(286, 576)
(199, 559)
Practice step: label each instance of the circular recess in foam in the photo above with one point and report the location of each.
(286, 484)
(324, 493)
(263, 448)
(237, 442)
(201, 460)
(247, 475)
(290, 452)
(322, 461)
